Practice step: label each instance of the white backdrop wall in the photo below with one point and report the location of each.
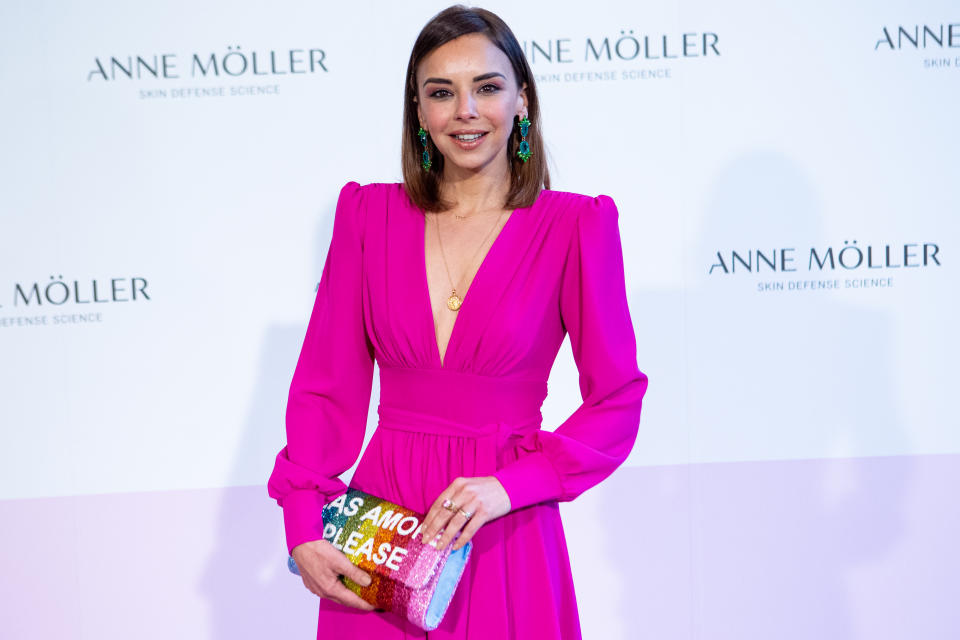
(786, 176)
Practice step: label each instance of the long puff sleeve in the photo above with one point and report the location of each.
(598, 436)
(330, 392)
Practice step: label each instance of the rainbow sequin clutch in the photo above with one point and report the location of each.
(408, 577)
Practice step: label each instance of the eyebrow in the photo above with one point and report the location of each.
(485, 76)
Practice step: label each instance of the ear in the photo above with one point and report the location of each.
(419, 113)
(522, 100)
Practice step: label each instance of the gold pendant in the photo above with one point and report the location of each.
(454, 302)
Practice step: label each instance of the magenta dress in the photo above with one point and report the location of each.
(556, 267)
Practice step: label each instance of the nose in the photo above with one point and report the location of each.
(466, 106)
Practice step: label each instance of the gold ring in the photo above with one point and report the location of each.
(449, 505)
(466, 514)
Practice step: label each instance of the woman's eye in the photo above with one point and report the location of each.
(443, 93)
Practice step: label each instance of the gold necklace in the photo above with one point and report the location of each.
(454, 301)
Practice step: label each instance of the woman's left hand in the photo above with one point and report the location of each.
(482, 499)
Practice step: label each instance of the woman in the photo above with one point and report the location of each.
(473, 223)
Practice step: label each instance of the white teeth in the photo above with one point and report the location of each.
(468, 137)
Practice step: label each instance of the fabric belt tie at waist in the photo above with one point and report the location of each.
(462, 397)
(492, 437)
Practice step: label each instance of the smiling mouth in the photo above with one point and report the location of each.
(469, 137)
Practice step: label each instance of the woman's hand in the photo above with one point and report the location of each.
(482, 498)
(321, 565)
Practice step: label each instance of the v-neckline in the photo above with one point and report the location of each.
(442, 360)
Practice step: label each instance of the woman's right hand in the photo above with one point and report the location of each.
(321, 565)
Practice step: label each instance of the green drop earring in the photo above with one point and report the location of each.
(523, 152)
(425, 161)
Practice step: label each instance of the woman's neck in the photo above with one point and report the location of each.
(474, 191)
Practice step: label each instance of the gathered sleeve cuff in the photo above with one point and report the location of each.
(330, 391)
(598, 436)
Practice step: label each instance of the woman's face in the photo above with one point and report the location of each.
(467, 97)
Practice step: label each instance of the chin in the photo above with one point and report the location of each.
(473, 166)
(474, 163)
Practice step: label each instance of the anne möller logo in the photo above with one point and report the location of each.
(629, 45)
(649, 56)
(232, 63)
(932, 40)
(871, 266)
(35, 298)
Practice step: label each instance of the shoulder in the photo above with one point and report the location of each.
(357, 204)
(374, 190)
(364, 203)
(589, 224)
(577, 209)
(354, 191)
(374, 197)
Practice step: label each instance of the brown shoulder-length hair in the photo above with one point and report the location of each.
(526, 178)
